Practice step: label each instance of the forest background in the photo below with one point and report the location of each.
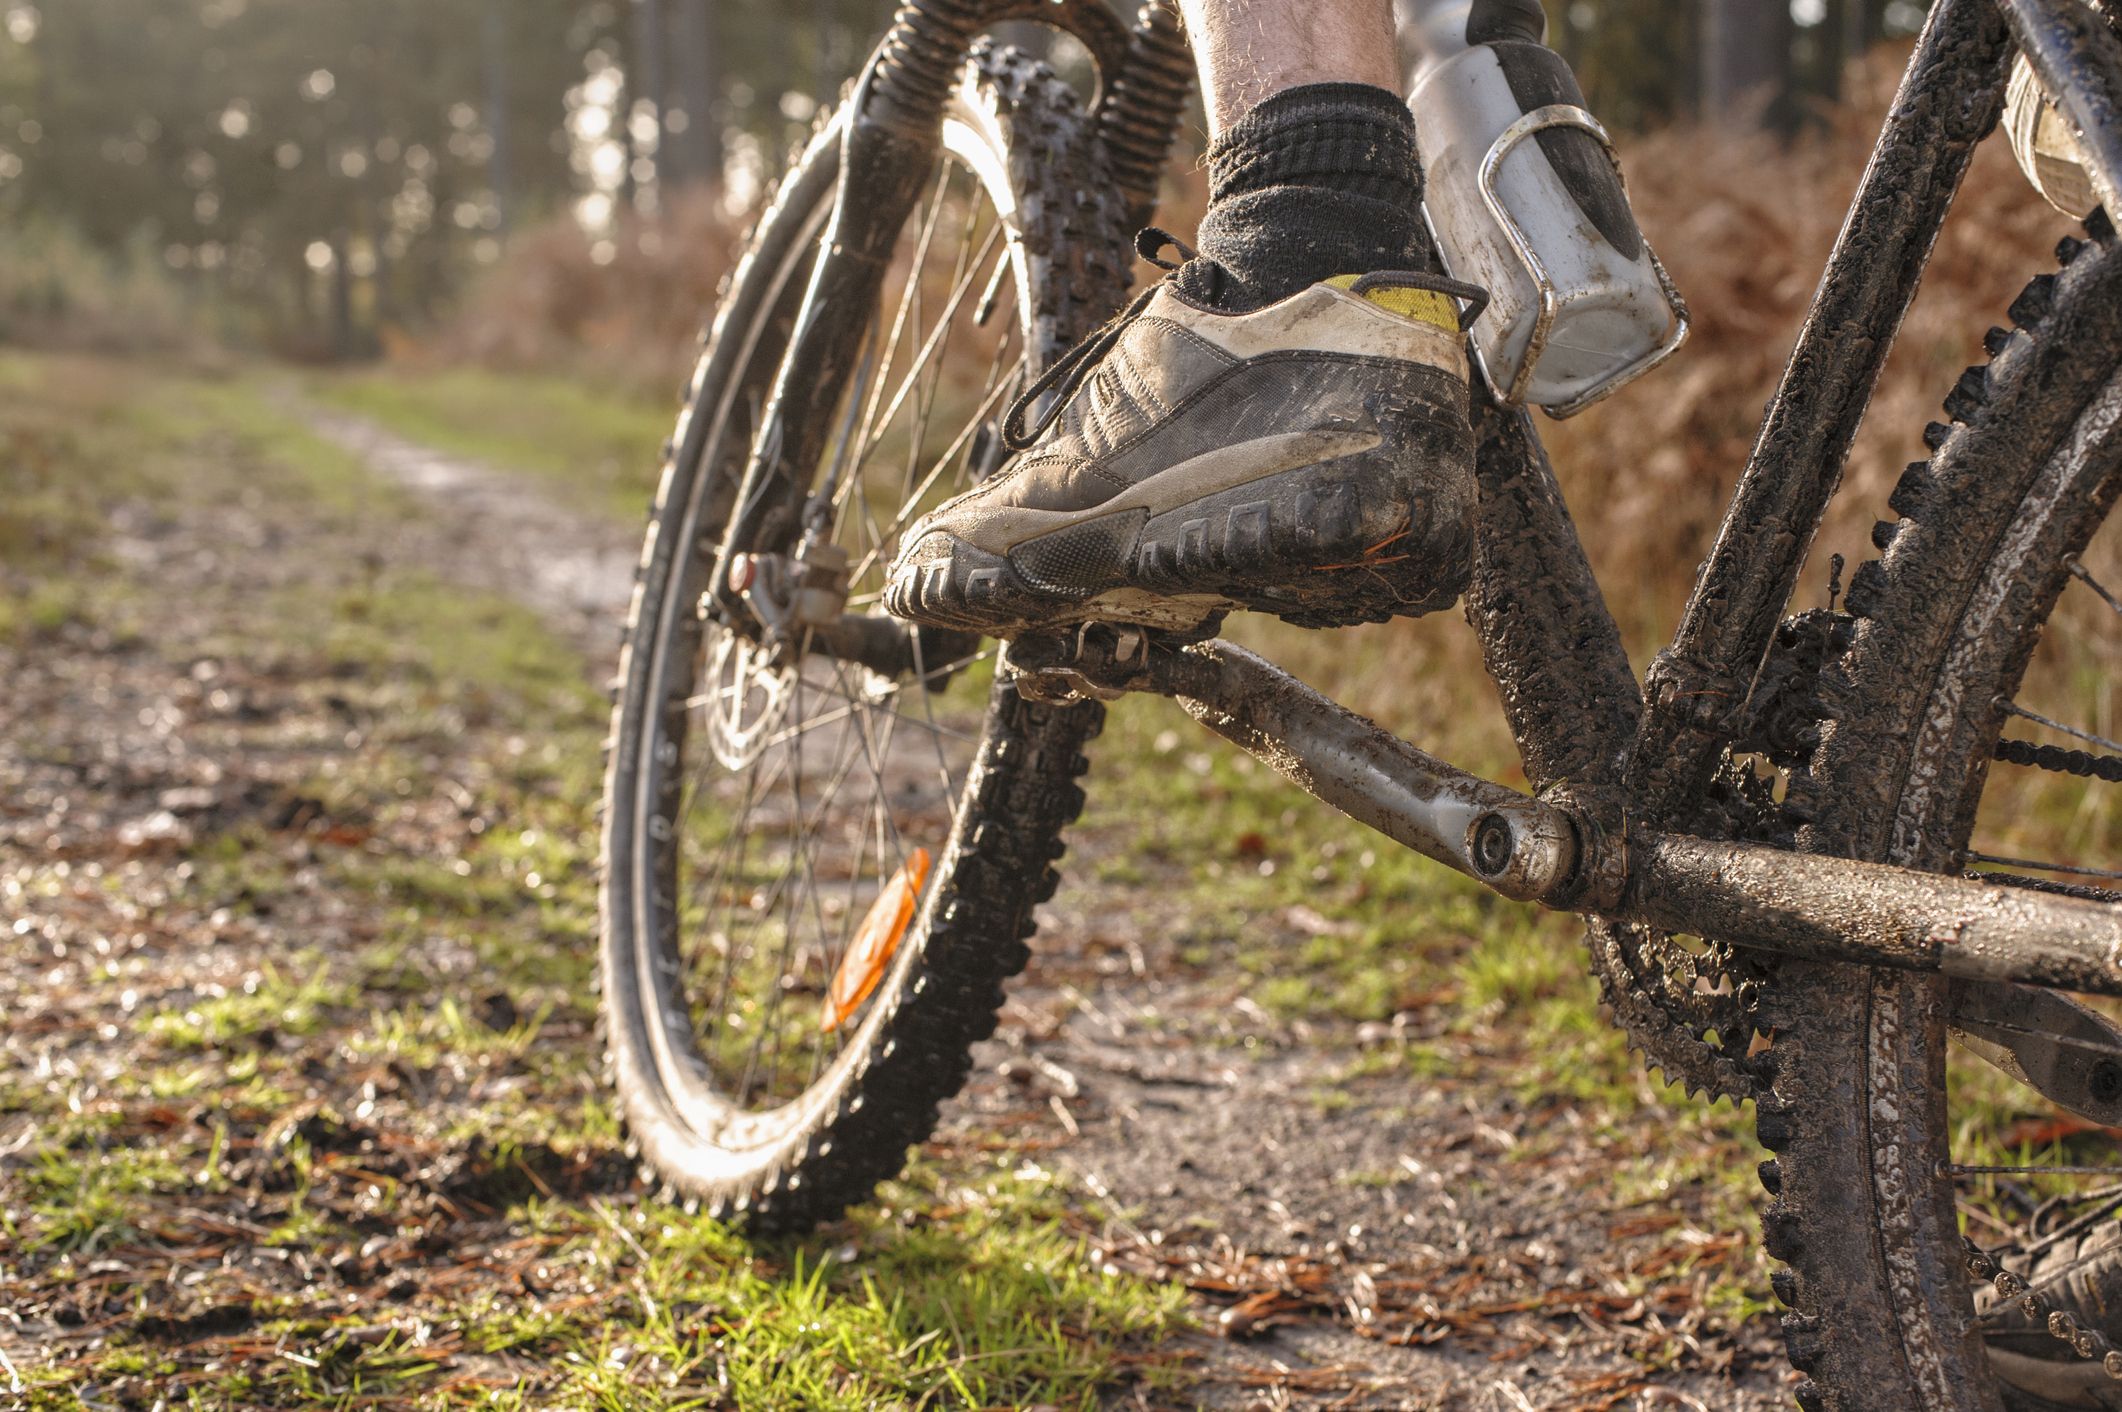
(332, 334)
(329, 182)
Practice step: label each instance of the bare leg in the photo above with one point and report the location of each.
(1249, 49)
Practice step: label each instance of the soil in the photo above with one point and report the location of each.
(1354, 1236)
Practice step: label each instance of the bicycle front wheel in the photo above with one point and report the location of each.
(1993, 605)
(818, 876)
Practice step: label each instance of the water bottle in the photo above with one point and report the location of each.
(2046, 144)
(1525, 198)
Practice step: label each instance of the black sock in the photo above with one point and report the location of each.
(1316, 181)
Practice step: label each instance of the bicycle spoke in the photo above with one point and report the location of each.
(807, 829)
(2105, 1201)
(2084, 576)
(939, 336)
(741, 838)
(804, 794)
(788, 931)
(735, 844)
(911, 505)
(755, 788)
(928, 348)
(847, 693)
(928, 709)
(846, 711)
(2077, 869)
(873, 759)
(817, 909)
(1988, 1170)
(907, 297)
(2100, 740)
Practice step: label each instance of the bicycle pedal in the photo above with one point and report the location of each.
(1094, 661)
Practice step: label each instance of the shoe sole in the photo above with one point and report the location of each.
(1333, 544)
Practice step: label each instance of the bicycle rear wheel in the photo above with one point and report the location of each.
(1878, 1123)
(818, 876)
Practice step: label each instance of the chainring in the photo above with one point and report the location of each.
(1688, 1007)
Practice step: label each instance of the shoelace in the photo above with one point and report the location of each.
(1073, 368)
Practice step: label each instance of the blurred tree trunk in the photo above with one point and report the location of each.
(1638, 60)
(696, 89)
(1863, 25)
(821, 38)
(646, 78)
(1746, 62)
(499, 177)
(386, 315)
(342, 297)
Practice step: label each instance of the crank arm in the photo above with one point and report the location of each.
(1798, 904)
(2070, 1055)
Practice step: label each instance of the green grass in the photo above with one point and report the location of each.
(1390, 929)
(587, 443)
(995, 1304)
(957, 1294)
(1197, 828)
(460, 824)
(83, 1195)
(61, 471)
(270, 1006)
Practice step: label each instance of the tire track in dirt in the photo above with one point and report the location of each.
(1359, 1241)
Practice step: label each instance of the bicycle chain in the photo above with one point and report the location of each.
(1656, 990)
(1692, 1014)
(2056, 759)
(2061, 1324)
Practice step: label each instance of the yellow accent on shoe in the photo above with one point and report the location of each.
(1427, 305)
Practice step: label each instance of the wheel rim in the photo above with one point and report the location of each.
(1939, 1113)
(2025, 1171)
(791, 797)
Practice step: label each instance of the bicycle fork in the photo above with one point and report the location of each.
(888, 148)
(888, 144)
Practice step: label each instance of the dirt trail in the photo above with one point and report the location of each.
(1377, 1241)
(576, 569)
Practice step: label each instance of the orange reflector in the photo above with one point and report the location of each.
(876, 942)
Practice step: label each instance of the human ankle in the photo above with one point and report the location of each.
(1313, 182)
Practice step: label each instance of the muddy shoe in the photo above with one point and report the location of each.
(1309, 459)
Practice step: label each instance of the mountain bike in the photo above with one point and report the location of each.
(826, 832)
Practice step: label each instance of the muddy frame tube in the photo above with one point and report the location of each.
(1612, 772)
(1796, 904)
(1574, 707)
(1949, 99)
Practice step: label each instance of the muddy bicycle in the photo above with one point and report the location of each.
(826, 830)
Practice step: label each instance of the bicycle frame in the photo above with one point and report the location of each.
(888, 151)
(1613, 764)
